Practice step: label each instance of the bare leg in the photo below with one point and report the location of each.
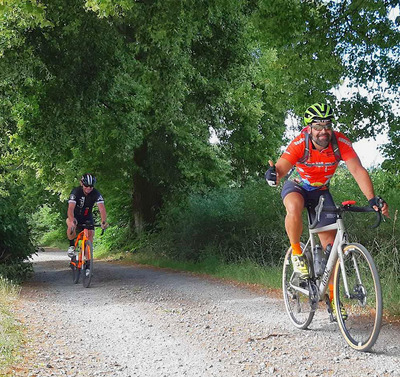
(90, 235)
(71, 227)
(294, 204)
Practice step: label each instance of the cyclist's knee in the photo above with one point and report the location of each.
(90, 235)
(294, 204)
(294, 209)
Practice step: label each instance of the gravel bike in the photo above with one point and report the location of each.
(83, 258)
(357, 287)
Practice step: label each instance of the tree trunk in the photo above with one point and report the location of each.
(146, 198)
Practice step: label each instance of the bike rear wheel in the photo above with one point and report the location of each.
(75, 270)
(298, 305)
(361, 320)
(87, 267)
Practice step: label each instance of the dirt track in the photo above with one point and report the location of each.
(139, 321)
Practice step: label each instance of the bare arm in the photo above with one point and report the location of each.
(361, 176)
(103, 214)
(71, 208)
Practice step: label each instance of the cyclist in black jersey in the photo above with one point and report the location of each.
(80, 206)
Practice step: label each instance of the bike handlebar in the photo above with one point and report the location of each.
(340, 209)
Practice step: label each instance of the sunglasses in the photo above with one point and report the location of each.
(88, 186)
(320, 126)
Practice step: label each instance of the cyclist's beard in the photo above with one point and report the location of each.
(322, 140)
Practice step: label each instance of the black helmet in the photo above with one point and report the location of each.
(88, 179)
(318, 111)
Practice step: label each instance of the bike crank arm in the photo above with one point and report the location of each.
(313, 294)
(300, 289)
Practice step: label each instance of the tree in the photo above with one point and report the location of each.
(132, 91)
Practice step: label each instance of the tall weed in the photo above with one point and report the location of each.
(236, 224)
(10, 334)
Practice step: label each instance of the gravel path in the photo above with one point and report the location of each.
(139, 321)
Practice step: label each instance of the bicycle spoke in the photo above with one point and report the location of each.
(363, 301)
(297, 304)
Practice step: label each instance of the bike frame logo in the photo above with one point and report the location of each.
(325, 278)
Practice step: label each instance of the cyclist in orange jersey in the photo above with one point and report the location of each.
(315, 154)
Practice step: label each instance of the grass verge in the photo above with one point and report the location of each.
(10, 333)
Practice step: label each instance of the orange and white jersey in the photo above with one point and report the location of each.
(316, 172)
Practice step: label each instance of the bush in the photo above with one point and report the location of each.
(236, 224)
(17, 272)
(15, 242)
(47, 224)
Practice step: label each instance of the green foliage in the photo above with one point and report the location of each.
(44, 221)
(15, 243)
(132, 90)
(115, 238)
(235, 224)
(16, 271)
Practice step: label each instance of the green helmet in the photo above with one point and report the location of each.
(318, 111)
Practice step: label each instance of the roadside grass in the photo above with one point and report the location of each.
(391, 295)
(10, 332)
(54, 238)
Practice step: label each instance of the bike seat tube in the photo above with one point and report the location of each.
(333, 257)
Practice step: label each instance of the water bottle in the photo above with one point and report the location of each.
(318, 268)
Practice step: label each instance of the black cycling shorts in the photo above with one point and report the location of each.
(84, 220)
(311, 199)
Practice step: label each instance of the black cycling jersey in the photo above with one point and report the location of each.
(84, 203)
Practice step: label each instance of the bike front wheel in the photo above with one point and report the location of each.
(359, 309)
(298, 305)
(75, 270)
(87, 267)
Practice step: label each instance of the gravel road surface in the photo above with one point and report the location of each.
(141, 321)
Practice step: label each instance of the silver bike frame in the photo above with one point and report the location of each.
(336, 252)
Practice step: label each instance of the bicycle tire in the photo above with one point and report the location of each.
(87, 267)
(364, 308)
(297, 304)
(75, 270)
